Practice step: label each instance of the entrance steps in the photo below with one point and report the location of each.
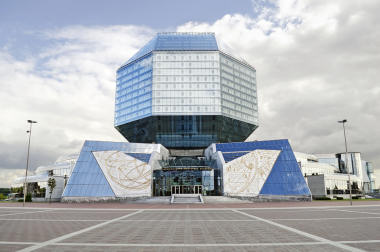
(186, 198)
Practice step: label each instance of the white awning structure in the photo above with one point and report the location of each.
(43, 177)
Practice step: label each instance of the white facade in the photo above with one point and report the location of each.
(238, 90)
(333, 177)
(203, 83)
(186, 83)
(60, 170)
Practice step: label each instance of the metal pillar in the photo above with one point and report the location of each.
(346, 159)
(27, 160)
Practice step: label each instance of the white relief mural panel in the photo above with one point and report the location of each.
(246, 175)
(127, 176)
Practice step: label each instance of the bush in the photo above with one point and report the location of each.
(2, 196)
(322, 198)
(339, 198)
(28, 197)
(356, 197)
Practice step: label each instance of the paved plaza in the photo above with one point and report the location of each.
(149, 227)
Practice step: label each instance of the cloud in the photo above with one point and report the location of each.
(67, 87)
(317, 62)
(9, 175)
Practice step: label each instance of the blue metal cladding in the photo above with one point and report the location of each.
(229, 156)
(133, 99)
(87, 178)
(140, 156)
(285, 178)
(177, 41)
(250, 146)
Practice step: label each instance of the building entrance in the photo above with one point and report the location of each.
(185, 181)
(186, 189)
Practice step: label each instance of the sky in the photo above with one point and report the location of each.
(317, 62)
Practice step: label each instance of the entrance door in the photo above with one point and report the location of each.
(198, 189)
(176, 189)
(187, 189)
(182, 189)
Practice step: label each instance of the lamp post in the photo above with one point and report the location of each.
(27, 159)
(346, 158)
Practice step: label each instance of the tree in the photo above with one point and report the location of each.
(17, 189)
(51, 185)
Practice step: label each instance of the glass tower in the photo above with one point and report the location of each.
(181, 91)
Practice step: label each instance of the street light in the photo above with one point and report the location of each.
(346, 158)
(27, 159)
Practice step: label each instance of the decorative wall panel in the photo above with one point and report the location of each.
(128, 176)
(246, 175)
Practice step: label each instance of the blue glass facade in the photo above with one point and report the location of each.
(186, 42)
(87, 179)
(133, 99)
(177, 75)
(285, 177)
(178, 42)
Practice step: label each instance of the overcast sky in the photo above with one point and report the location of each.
(317, 62)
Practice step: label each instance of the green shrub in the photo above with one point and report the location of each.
(322, 198)
(339, 198)
(28, 197)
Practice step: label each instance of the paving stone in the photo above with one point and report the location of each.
(37, 231)
(340, 230)
(302, 214)
(188, 215)
(298, 248)
(187, 226)
(11, 247)
(162, 232)
(366, 246)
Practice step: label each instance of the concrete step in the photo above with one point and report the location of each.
(186, 198)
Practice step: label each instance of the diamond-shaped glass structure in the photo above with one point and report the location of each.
(181, 91)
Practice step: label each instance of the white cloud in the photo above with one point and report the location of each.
(9, 175)
(68, 88)
(317, 62)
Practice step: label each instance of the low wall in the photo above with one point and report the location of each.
(275, 198)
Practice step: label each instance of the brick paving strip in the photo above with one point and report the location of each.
(277, 244)
(54, 220)
(157, 207)
(351, 211)
(46, 210)
(217, 220)
(188, 245)
(311, 236)
(319, 219)
(66, 236)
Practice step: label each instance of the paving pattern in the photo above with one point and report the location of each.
(315, 228)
